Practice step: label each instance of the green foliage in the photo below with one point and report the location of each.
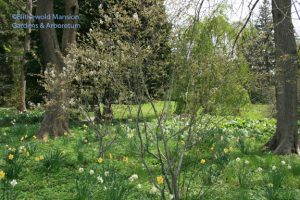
(221, 176)
(52, 161)
(258, 48)
(206, 76)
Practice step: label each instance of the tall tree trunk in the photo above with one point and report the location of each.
(22, 89)
(55, 122)
(285, 140)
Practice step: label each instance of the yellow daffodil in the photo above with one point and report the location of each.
(110, 156)
(226, 150)
(160, 180)
(202, 161)
(39, 158)
(125, 159)
(10, 156)
(100, 160)
(2, 174)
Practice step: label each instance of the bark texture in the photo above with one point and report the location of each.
(55, 121)
(285, 140)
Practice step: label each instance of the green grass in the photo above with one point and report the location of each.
(257, 111)
(217, 178)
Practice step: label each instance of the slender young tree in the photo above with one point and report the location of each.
(27, 47)
(285, 140)
(55, 122)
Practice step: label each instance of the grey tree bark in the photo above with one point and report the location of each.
(285, 140)
(55, 121)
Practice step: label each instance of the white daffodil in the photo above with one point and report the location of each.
(100, 179)
(81, 170)
(133, 177)
(106, 173)
(13, 182)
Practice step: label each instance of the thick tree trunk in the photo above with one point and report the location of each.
(22, 89)
(55, 122)
(285, 140)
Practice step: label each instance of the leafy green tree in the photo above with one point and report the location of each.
(10, 54)
(206, 77)
(257, 45)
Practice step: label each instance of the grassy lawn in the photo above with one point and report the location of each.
(234, 167)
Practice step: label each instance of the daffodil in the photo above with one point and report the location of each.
(160, 180)
(10, 156)
(13, 183)
(2, 174)
(125, 159)
(39, 158)
(226, 150)
(202, 161)
(100, 160)
(110, 156)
